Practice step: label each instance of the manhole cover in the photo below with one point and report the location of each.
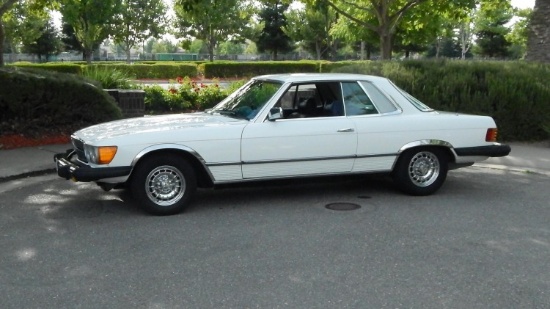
(342, 206)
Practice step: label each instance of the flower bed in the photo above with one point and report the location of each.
(13, 141)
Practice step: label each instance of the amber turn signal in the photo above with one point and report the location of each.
(491, 135)
(106, 154)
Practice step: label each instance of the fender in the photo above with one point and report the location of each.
(182, 148)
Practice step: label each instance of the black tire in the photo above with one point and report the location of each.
(421, 171)
(163, 184)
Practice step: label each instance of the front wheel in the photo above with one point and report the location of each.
(421, 171)
(163, 184)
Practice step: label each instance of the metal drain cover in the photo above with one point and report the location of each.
(342, 206)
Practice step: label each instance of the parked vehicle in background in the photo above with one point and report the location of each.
(281, 126)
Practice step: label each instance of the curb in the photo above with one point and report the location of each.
(28, 174)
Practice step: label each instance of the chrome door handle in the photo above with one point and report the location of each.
(346, 130)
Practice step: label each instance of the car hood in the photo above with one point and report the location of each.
(152, 124)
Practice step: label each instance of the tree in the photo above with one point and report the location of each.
(491, 29)
(538, 44)
(230, 48)
(519, 33)
(212, 21)
(311, 26)
(91, 21)
(272, 37)
(24, 18)
(5, 6)
(23, 24)
(164, 46)
(138, 20)
(47, 44)
(385, 16)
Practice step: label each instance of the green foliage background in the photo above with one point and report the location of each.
(36, 102)
(515, 94)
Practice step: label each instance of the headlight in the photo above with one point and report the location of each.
(99, 154)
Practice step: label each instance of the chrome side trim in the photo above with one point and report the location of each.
(312, 159)
(222, 182)
(426, 142)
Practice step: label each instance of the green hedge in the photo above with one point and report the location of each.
(225, 69)
(35, 101)
(515, 94)
(61, 67)
(165, 70)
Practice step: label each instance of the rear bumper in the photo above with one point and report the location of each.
(79, 172)
(497, 150)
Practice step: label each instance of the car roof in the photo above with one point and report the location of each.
(306, 77)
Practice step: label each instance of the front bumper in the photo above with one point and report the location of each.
(68, 169)
(496, 150)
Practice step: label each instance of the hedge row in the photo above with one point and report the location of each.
(161, 70)
(35, 102)
(515, 94)
(225, 69)
(154, 71)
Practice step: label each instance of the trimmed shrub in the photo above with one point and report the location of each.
(515, 94)
(34, 102)
(152, 71)
(52, 66)
(185, 95)
(225, 69)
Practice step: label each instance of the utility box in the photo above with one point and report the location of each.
(131, 102)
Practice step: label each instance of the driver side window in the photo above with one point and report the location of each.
(311, 100)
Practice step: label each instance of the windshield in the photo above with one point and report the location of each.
(247, 101)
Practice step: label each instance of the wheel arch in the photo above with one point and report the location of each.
(429, 143)
(204, 177)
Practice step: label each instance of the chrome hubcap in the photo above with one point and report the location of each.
(424, 169)
(165, 185)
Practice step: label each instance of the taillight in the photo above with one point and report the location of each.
(491, 135)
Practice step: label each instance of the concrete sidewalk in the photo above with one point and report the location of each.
(17, 163)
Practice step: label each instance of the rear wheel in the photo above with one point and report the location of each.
(164, 184)
(421, 171)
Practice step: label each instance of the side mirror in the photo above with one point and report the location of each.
(275, 113)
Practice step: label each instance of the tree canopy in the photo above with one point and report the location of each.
(212, 21)
(91, 21)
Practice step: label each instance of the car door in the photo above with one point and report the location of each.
(376, 119)
(308, 141)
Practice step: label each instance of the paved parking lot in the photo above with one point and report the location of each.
(482, 242)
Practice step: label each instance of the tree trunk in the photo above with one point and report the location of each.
(318, 49)
(2, 39)
(385, 46)
(362, 50)
(128, 54)
(538, 43)
(369, 50)
(88, 54)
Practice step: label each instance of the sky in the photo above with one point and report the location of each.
(523, 4)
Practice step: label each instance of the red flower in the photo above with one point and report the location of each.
(173, 90)
(179, 79)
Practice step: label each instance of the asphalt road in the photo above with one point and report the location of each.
(483, 241)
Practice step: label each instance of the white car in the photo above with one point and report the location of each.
(279, 126)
